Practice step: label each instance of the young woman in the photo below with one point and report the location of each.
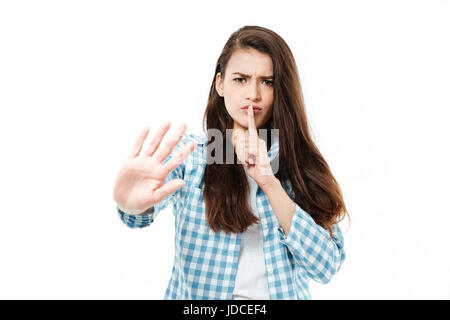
(260, 226)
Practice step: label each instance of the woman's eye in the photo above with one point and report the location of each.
(270, 83)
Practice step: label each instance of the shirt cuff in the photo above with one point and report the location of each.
(137, 220)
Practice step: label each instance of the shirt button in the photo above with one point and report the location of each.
(269, 269)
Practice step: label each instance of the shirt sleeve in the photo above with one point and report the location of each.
(145, 219)
(312, 248)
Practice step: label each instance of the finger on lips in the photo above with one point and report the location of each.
(246, 143)
(253, 136)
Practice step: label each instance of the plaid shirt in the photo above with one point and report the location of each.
(206, 262)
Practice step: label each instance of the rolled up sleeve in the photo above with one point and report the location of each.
(312, 248)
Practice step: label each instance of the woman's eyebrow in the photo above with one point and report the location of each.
(246, 75)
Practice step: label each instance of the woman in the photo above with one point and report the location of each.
(260, 226)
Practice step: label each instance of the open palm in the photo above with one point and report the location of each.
(140, 182)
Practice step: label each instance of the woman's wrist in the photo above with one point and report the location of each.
(271, 184)
(134, 211)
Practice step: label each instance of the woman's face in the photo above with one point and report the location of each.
(248, 81)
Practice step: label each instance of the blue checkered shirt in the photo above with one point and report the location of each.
(206, 262)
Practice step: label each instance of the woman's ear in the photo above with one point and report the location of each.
(219, 84)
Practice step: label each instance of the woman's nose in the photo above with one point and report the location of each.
(254, 93)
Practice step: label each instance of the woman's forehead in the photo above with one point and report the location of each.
(251, 63)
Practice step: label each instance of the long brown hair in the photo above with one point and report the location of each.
(225, 185)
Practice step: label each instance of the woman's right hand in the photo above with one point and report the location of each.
(140, 182)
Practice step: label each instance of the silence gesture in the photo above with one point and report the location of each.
(140, 182)
(251, 150)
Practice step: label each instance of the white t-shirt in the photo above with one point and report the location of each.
(251, 279)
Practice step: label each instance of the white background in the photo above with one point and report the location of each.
(80, 79)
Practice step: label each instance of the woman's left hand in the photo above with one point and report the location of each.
(252, 152)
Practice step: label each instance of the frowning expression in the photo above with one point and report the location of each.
(248, 81)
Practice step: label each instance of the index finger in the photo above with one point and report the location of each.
(251, 124)
(177, 159)
(253, 136)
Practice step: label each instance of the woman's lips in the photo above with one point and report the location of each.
(255, 110)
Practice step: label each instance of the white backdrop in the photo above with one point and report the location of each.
(80, 79)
